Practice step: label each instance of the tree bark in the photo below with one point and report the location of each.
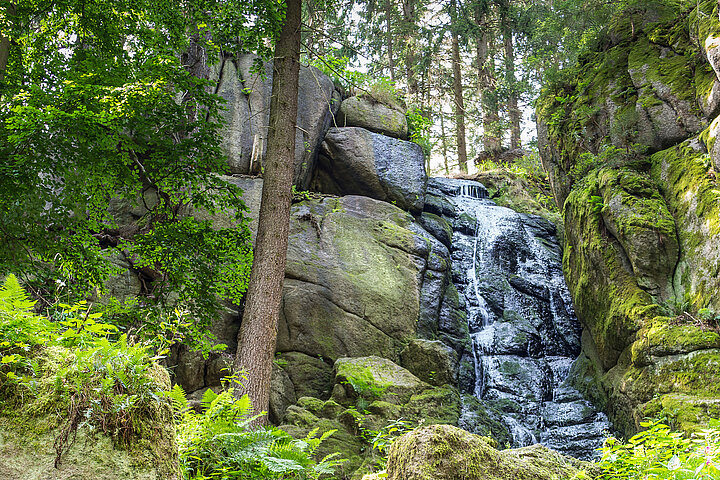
(444, 142)
(5, 43)
(513, 110)
(409, 32)
(459, 104)
(389, 38)
(486, 84)
(258, 332)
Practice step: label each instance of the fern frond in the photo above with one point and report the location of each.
(13, 297)
(178, 400)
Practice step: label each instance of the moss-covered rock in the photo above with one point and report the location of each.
(373, 378)
(365, 112)
(443, 452)
(642, 223)
(55, 432)
(432, 361)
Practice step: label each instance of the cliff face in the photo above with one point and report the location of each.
(628, 138)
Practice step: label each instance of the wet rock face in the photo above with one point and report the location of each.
(507, 268)
(355, 161)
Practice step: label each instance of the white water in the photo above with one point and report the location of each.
(522, 324)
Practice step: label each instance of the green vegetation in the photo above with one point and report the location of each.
(218, 443)
(71, 372)
(104, 151)
(659, 453)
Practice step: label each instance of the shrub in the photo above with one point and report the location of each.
(659, 453)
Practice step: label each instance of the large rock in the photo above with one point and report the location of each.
(247, 92)
(354, 277)
(370, 394)
(355, 161)
(444, 452)
(379, 378)
(432, 361)
(365, 112)
(641, 252)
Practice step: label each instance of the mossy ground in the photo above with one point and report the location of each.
(40, 429)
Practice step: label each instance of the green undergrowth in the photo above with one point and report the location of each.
(660, 453)
(220, 443)
(72, 372)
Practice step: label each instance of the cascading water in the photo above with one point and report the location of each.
(525, 335)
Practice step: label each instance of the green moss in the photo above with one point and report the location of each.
(443, 452)
(35, 421)
(311, 404)
(434, 405)
(694, 200)
(688, 413)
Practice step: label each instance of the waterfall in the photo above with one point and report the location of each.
(525, 336)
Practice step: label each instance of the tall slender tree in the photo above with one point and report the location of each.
(458, 89)
(258, 332)
(513, 110)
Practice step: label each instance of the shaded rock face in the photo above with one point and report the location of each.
(642, 227)
(355, 275)
(248, 110)
(507, 268)
(355, 161)
(364, 112)
(444, 452)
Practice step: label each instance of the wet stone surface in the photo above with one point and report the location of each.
(507, 268)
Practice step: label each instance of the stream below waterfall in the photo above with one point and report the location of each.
(507, 268)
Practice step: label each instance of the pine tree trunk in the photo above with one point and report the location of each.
(258, 332)
(459, 104)
(444, 141)
(488, 97)
(389, 38)
(409, 8)
(513, 110)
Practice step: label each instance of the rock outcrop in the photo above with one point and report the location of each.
(366, 112)
(40, 439)
(632, 159)
(368, 394)
(443, 452)
(355, 161)
(245, 83)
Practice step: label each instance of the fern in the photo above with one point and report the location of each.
(218, 443)
(13, 298)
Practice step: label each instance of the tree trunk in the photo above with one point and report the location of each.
(409, 32)
(389, 38)
(258, 332)
(444, 142)
(459, 104)
(5, 43)
(486, 84)
(513, 110)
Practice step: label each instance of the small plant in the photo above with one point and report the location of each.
(659, 453)
(300, 195)
(596, 204)
(419, 129)
(367, 388)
